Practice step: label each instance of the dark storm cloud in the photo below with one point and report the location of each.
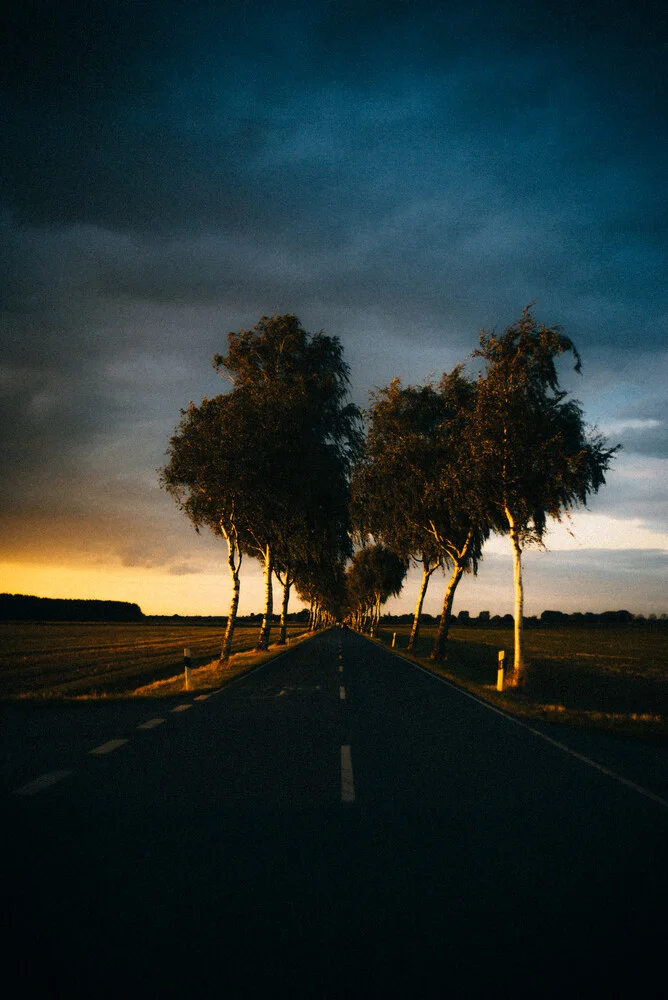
(399, 173)
(398, 153)
(254, 117)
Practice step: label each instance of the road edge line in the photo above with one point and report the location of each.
(639, 789)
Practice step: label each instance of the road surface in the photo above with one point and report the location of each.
(337, 824)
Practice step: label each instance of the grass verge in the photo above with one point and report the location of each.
(212, 676)
(571, 680)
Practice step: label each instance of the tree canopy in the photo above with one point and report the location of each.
(267, 464)
(410, 490)
(534, 458)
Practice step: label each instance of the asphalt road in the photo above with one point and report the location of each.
(337, 824)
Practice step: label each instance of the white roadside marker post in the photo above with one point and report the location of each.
(394, 639)
(501, 670)
(186, 667)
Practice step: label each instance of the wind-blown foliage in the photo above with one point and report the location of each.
(375, 574)
(411, 489)
(533, 456)
(295, 384)
(209, 476)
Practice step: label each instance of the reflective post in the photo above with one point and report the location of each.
(501, 670)
(186, 667)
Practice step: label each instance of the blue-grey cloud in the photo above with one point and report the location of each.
(398, 173)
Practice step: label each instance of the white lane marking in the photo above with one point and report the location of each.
(341, 668)
(180, 708)
(108, 747)
(548, 739)
(347, 781)
(39, 784)
(342, 693)
(151, 724)
(202, 697)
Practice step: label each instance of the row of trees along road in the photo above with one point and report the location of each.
(266, 466)
(446, 464)
(278, 468)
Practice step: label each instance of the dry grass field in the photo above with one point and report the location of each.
(61, 659)
(613, 677)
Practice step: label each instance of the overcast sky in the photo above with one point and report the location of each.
(398, 174)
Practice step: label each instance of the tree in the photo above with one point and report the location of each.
(295, 386)
(321, 583)
(210, 478)
(411, 489)
(533, 456)
(388, 482)
(376, 573)
(315, 540)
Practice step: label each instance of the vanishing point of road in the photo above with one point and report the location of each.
(338, 823)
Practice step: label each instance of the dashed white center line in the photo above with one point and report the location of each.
(340, 668)
(108, 747)
(347, 782)
(202, 697)
(39, 784)
(342, 693)
(151, 724)
(181, 708)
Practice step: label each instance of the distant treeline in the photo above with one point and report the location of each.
(485, 620)
(23, 608)
(294, 618)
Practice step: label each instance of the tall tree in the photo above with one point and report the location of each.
(534, 458)
(321, 583)
(410, 491)
(376, 573)
(388, 483)
(208, 476)
(296, 384)
(315, 539)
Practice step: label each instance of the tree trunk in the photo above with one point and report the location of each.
(438, 652)
(282, 636)
(519, 668)
(234, 557)
(426, 573)
(265, 628)
(375, 619)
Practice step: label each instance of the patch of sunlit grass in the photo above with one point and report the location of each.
(212, 675)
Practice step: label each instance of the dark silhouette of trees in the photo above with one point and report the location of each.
(411, 490)
(25, 607)
(266, 465)
(294, 386)
(388, 483)
(315, 541)
(533, 458)
(375, 574)
(322, 585)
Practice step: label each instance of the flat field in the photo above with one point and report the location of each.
(576, 673)
(66, 659)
